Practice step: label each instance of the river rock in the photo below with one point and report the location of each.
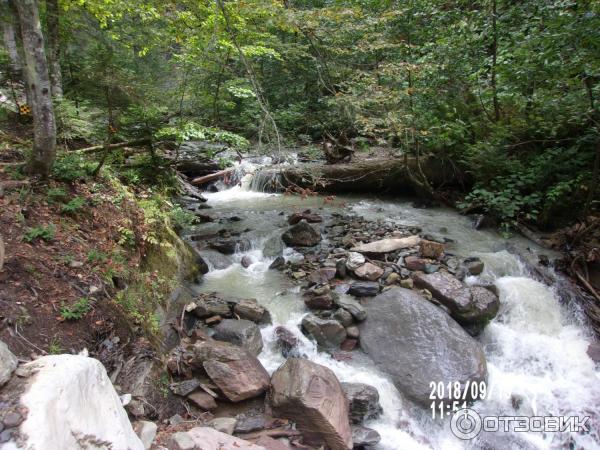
(146, 431)
(352, 306)
(304, 215)
(278, 263)
(287, 342)
(414, 263)
(319, 302)
(473, 265)
(468, 306)
(322, 275)
(8, 363)
(368, 271)
(363, 401)
(343, 317)
(311, 395)
(71, 398)
(250, 309)
(326, 332)
(206, 438)
(364, 289)
(231, 246)
(416, 343)
(233, 369)
(243, 333)
(387, 245)
(364, 438)
(431, 249)
(301, 235)
(210, 305)
(203, 400)
(246, 261)
(355, 260)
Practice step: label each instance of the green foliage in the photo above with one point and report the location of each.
(57, 194)
(78, 121)
(74, 206)
(96, 256)
(77, 310)
(45, 233)
(182, 218)
(193, 131)
(71, 167)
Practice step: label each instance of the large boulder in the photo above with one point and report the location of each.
(71, 403)
(205, 438)
(301, 235)
(243, 333)
(327, 333)
(8, 363)
(363, 400)
(209, 305)
(311, 395)
(236, 371)
(417, 343)
(467, 305)
(250, 309)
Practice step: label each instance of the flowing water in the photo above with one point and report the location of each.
(536, 347)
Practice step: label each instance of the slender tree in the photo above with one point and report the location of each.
(38, 81)
(52, 26)
(9, 36)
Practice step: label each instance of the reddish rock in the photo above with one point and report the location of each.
(304, 215)
(414, 263)
(349, 345)
(431, 249)
(322, 275)
(233, 369)
(311, 395)
(202, 400)
(319, 302)
(369, 271)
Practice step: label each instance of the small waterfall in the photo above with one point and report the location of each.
(265, 180)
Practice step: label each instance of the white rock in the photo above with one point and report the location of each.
(146, 431)
(355, 260)
(8, 363)
(72, 404)
(387, 245)
(223, 424)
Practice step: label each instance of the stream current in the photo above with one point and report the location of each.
(536, 347)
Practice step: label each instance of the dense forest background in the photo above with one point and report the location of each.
(506, 91)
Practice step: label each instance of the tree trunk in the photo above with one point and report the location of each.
(9, 35)
(494, 60)
(38, 81)
(52, 24)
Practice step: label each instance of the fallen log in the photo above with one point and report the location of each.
(371, 175)
(212, 177)
(100, 148)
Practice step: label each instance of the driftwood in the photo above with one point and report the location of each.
(212, 177)
(372, 175)
(100, 148)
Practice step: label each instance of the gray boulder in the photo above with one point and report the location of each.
(364, 438)
(468, 306)
(364, 289)
(363, 400)
(8, 363)
(311, 395)
(352, 306)
(417, 343)
(243, 333)
(301, 235)
(327, 333)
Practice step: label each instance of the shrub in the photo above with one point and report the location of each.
(74, 206)
(77, 310)
(46, 233)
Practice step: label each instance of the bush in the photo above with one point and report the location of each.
(74, 206)
(70, 167)
(77, 310)
(46, 233)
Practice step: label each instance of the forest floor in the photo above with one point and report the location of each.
(63, 260)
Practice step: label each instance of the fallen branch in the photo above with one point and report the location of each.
(213, 176)
(99, 148)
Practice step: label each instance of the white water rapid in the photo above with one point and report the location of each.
(535, 348)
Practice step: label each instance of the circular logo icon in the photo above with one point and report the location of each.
(465, 424)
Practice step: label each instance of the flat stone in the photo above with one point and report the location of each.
(185, 387)
(223, 424)
(368, 271)
(206, 438)
(387, 245)
(414, 263)
(364, 289)
(250, 424)
(203, 400)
